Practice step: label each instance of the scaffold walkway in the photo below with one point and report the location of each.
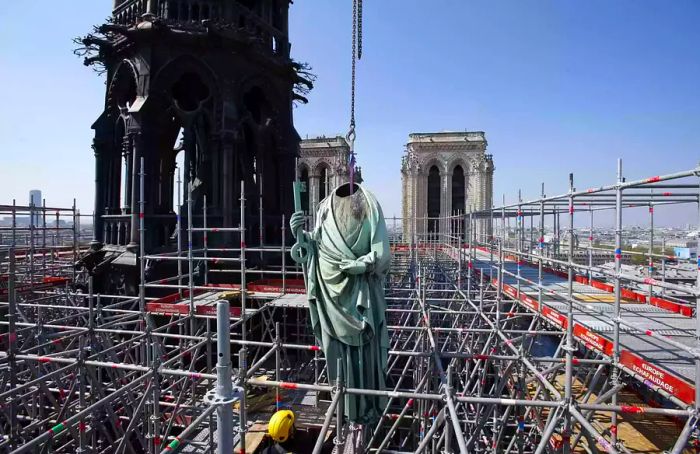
(656, 363)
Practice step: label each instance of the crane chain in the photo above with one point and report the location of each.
(356, 55)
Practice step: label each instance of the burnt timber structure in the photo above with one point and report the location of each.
(213, 80)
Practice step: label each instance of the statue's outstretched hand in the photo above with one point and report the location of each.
(296, 222)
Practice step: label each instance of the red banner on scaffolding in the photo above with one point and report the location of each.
(555, 317)
(593, 340)
(45, 284)
(658, 377)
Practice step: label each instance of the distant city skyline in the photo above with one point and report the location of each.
(557, 87)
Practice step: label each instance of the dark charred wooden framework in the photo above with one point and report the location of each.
(211, 79)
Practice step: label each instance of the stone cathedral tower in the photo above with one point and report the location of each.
(323, 166)
(213, 80)
(444, 174)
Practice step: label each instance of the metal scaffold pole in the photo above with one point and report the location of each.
(224, 385)
(242, 353)
(618, 294)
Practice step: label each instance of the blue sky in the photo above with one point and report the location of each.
(558, 86)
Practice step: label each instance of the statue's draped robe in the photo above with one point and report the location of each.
(348, 311)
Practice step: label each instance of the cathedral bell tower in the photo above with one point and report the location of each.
(213, 80)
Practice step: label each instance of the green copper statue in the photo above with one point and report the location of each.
(347, 257)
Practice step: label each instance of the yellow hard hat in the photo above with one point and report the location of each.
(280, 427)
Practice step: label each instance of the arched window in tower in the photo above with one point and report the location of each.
(124, 183)
(194, 12)
(458, 199)
(124, 195)
(433, 200)
(177, 190)
(457, 190)
(124, 93)
(117, 170)
(323, 184)
(189, 92)
(304, 178)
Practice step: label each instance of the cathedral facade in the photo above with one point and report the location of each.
(445, 174)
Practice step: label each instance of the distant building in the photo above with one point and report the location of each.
(323, 165)
(681, 243)
(598, 258)
(443, 174)
(685, 252)
(36, 201)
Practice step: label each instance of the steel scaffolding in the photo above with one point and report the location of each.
(498, 342)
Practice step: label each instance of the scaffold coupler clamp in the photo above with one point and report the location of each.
(696, 350)
(448, 391)
(567, 348)
(213, 397)
(694, 438)
(339, 439)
